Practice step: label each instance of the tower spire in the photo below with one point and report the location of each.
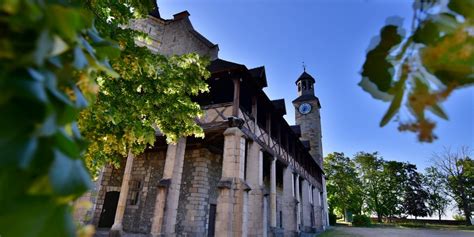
(304, 67)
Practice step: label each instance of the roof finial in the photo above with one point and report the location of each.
(304, 67)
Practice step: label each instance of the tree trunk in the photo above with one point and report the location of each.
(379, 217)
(465, 203)
(439, 215)
(467, 212)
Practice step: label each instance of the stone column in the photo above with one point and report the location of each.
(289, 222)
(117, 227)
(298, 205)
(273, 196)
(306, 207)
(231, 215)
(166, 204)
(256, 198)
(317, 209)
(324, 204)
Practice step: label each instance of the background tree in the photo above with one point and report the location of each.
(415, 197)
(369, 166)
(343, 186)
(458, 169)
(424, 67)
(438, 196)
(392, 188)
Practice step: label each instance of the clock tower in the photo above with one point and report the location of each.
(307, 115)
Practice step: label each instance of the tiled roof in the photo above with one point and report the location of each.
(220, 65)
(259, 75)
(279, 105)
(305, 75)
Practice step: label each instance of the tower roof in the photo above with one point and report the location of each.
(305, 75)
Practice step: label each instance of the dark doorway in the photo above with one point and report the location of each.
(107, 215)
(212, 220)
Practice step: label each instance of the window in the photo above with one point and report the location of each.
(135, 187)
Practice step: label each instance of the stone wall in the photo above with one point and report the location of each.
(201, 174)
(147, 171)
(288, 203)
(310, 125)
(175, 37)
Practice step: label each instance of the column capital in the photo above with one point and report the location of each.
(233, 131)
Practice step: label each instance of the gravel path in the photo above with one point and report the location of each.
(397, 232)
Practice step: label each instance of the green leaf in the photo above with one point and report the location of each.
(463, 7)
(66, 144)
(377, 69)
(434, 28)
(396, 102)
(18, 151)
(68, 176)
(36, 216)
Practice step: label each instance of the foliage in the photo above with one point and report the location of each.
(392, 188)
(152, 93)
(343, 186)
(458, 217)
(458, 169)
(423, 68)
(438, 196)
(361, 220)
(370, 166)
(416, 196)
(49, 55)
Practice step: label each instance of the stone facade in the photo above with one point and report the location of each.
(174, 37)
(250, 176)
(147, 171)
(198, 191)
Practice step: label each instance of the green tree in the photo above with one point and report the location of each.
(369, 167)
(392, 188)
(424, 67)
(416, 197)
(343, 185)
(438, 196)
(152, 93)
(458, 169)
(49, 56)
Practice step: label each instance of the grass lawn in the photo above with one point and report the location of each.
(336, 233)
(424, 226)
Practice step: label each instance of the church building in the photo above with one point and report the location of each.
(252, 175)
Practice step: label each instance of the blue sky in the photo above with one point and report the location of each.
(331, 37)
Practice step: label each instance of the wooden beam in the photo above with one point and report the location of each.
(236, 103)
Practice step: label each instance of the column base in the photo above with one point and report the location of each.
(115, 233)
(277, 232)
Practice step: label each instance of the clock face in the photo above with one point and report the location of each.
(305, 108)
